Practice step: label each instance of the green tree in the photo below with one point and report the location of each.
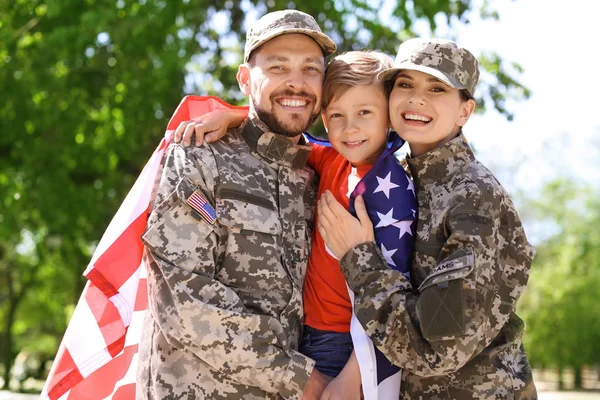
(561, 306)
(87, 87)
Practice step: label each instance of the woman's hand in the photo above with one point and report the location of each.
(209, 127)
(339, 229)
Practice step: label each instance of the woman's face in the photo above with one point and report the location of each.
(425, 111)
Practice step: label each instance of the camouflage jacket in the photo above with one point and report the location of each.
(452, 327)
(225, 295)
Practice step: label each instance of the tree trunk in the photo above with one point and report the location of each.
(561, 378)
(578, 378)
(7, 353)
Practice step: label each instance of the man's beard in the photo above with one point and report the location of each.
(287, 129)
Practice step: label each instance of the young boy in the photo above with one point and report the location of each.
(355, 114)
(452, 327)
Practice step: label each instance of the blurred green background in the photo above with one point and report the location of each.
(87, 87)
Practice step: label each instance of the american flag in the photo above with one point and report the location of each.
(391, 203)
(202, 207)
(97, 358)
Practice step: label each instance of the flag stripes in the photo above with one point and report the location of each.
(97, 358)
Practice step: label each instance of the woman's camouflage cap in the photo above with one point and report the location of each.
(285, 22)
(443, 59)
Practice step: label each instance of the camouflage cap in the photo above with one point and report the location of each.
(443, 59)
(284, 22)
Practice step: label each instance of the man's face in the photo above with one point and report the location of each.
(284, 82)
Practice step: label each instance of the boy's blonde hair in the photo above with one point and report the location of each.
(353, 68)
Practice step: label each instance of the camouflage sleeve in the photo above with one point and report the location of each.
(198, 313)
(457, 310)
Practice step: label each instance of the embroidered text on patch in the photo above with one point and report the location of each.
(199, 203)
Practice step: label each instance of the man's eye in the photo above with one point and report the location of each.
(277, 68)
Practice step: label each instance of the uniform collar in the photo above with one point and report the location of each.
(440, 162)
(272, 146)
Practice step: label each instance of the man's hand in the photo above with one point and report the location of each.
(340, 230)
(315, 385)
(209, 127)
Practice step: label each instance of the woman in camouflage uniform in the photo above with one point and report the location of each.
(452, 328)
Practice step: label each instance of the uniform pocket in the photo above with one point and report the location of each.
(179, 235)
(252, 262)
(246, 212)
(446, 301)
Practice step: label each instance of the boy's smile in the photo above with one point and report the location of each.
(357, 123)
(425, 111)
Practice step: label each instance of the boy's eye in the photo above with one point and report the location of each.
(335, 115)
(364, 112)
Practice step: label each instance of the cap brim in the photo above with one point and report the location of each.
(325, 42)
(390, 73)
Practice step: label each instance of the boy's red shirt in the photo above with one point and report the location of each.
(326, 302)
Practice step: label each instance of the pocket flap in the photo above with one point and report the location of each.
(244, 211)
(177, 232)
(449, 270)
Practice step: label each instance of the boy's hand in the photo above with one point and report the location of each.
(315, 386)
(347, 385)
(340, 230)
(209, 127)
(342, 388)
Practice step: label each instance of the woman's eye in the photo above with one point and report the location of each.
(402, 85)
(438, 89)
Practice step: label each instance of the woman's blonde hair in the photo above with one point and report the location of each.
(353, 68)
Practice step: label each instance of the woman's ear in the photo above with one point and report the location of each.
(466, 109)
(243, 78)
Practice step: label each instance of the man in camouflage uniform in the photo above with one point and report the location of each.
(229, 236)
(453, 327)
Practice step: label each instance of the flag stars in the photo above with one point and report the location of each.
(410, 186)
(387, 254)
(385, 185)
(404, 227)
(385, 219)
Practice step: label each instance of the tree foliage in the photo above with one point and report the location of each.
(561, 305)
(87, 88)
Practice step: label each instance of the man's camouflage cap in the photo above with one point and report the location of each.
(284, 22)
(443, 59)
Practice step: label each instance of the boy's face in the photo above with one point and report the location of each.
(357, 123)
(285, 83)
(425, 111)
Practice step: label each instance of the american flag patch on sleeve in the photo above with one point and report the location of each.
(199, 204)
